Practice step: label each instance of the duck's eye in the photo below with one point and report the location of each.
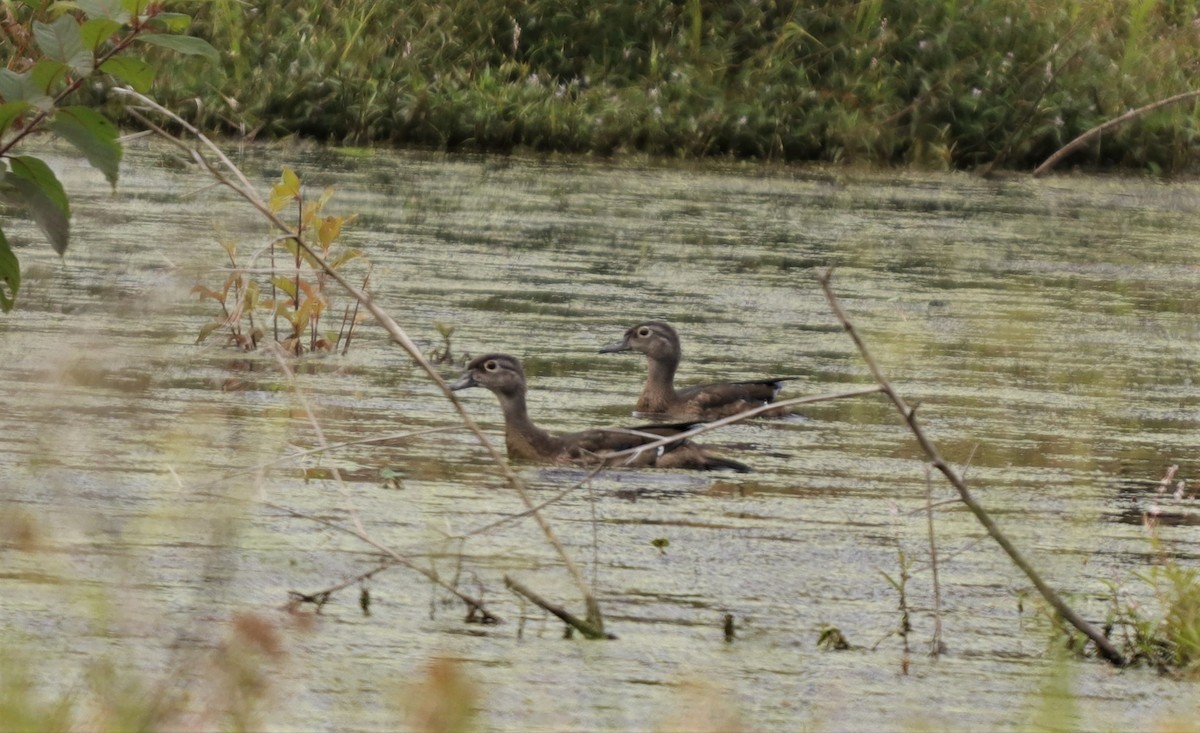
(491, 366)
(643, 332)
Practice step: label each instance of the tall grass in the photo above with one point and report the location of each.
(929, 82)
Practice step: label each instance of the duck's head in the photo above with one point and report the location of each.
(655, 339)
(500, 373)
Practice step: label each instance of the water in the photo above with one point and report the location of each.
(1047, 330)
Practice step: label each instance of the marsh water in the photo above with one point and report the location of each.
(1047, 329)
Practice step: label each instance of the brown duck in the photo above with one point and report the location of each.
(660, 343)
(502, 374)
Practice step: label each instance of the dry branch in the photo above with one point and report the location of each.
(475, 608)
(744, 415)
(321, 597)
(1106, 648)
(936, 645)
(1100, 129)
(587, 629)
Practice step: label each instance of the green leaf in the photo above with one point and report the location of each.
(62, 41)
(48, 72)
(95, 31)
(345, 257)
(45, 197)
(107, 9)
(134, 7)
(134, 72)
(10, 275)
(295, 251)
(286, 285)
(11, 112)
(13, 86)
(93, 135)
(16, 87)
(184, 44)
(171, 22)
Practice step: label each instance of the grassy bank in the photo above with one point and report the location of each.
(926, 82)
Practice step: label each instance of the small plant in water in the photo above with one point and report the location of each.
(901, 587)
(443, 354)
(294, 298)
(1165, 634)
(832, 639)
(391, 479)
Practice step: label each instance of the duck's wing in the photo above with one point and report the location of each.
(708, 396)
(618, 439)
(587, 445)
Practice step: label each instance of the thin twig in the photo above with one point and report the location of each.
(552, 500)
(354, 315)
(744, 415)
(322, 596)
(587, 629)
(1100, 129)
(286, 368)
(474, 605)
(1103, 644)
(937, 646)
(291, 456)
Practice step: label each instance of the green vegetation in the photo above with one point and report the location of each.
(1164, 633)
(296, 293)
(48, 52)
(925, 82)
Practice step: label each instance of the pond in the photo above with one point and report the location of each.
(159, 496)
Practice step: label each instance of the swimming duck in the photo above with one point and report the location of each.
(503, 375)
(660, 343)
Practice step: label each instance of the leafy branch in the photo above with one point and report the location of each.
(54, 50)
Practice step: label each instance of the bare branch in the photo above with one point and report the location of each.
(1098, 130)
(584, 627)
(744, 415)
(475, 607)
(1102, 643)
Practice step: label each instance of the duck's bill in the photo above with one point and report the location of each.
(466, 380)
(614, 347)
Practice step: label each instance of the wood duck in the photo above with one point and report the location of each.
(502, 374)
(659, 342)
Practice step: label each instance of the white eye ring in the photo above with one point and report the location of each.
(491, 366)
(643, 332)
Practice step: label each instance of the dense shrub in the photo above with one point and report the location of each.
(927, 82)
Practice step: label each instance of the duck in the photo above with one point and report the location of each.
(504, 376)
(705, 402)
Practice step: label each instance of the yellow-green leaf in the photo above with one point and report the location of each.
(345, 257)
(331, 227)
(287, 190)
(286, 285)
(289, 182)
